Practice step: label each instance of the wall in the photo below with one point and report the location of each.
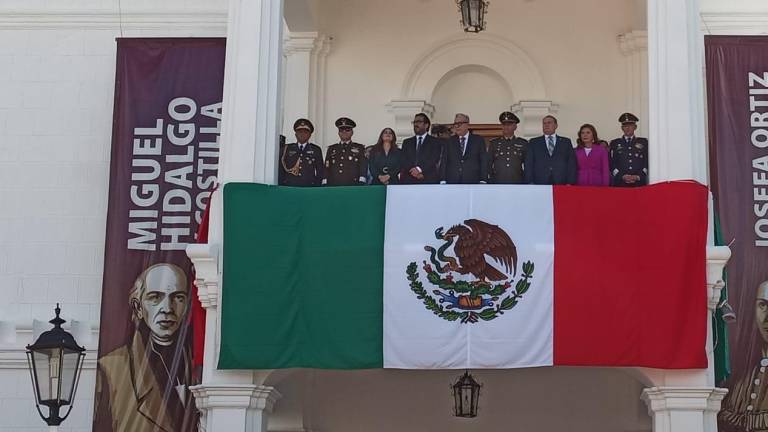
(575, 49)
(56, 88)
(531, 400)
(57, 68)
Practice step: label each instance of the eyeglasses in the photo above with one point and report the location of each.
(459, 123)
(417, 122)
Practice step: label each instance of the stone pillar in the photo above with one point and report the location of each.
(403, 111)
(530, 113)
(683, 409)
(233, 408)
(677, 147)
(228, 400)
(305, 54)
(634, 47)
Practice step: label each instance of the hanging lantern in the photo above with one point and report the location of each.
(473, 14)
(466, 395)
(55, 362)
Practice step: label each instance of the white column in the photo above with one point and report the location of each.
(228, 400)
(305, 55)
(677, 147)
(634, 47)
(250, 129)
(232, 408)
(530, 113)
(683, 409)
(403, 111)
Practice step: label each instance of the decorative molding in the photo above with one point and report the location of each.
(16, 359)
(717, 258)
(735, 23)
(530, 113)
(403, 110)
(205, 258)
(234, 403)
(202, 21)
(492, 51)
(660, 399)
(633, 42)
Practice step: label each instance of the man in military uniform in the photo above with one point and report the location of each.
(345, 162)
(629, 155)
(301, 163)
(507, 153)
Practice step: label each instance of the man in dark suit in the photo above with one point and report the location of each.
(629, 155)
(550, 158)
(421, 154)
(465, 160)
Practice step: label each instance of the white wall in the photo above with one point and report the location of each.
(56, 87)
(57, 67)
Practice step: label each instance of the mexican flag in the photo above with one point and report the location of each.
(464, 276)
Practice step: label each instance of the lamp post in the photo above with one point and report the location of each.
(55, 361)
(473, 14)
(466, 395)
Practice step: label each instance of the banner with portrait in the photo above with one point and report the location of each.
(165, 147)
(737, 94)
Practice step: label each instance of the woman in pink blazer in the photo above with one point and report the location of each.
(592, 159)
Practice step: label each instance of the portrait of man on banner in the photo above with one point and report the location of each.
(144, 385)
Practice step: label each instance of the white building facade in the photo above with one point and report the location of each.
(585, 61)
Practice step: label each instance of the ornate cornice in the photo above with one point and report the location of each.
(205, 258)
(201, 21)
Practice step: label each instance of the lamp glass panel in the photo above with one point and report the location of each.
(69, 366)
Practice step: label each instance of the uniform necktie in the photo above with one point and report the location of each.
(418, 144)
(301, 148)
(550, 145)
(463, 142)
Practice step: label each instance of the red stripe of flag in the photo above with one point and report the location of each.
(630, 285)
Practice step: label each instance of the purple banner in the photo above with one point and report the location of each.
(165, 148)
(737, 94)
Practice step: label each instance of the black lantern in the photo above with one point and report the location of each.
(55, 362)
(473, 14)
(466, 395)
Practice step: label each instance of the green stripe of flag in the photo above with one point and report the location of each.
(328, 314)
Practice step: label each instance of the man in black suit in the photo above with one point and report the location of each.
(465, 161)
(550, 158)
(421, 154)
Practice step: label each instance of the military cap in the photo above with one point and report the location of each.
(303, 123)
(345, 122)
(628, 118)
(508, 117)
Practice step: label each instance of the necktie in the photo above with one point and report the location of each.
(550, 145)
(462, 141)
(301, 148)
(418, 144)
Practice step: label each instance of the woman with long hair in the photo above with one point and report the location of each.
(591, 158)
(384, 159)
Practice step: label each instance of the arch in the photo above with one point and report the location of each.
(487, 50)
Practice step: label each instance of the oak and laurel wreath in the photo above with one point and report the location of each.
(464, 287)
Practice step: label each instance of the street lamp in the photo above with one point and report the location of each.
(55, 361)
(466, 395)
(473, 14)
